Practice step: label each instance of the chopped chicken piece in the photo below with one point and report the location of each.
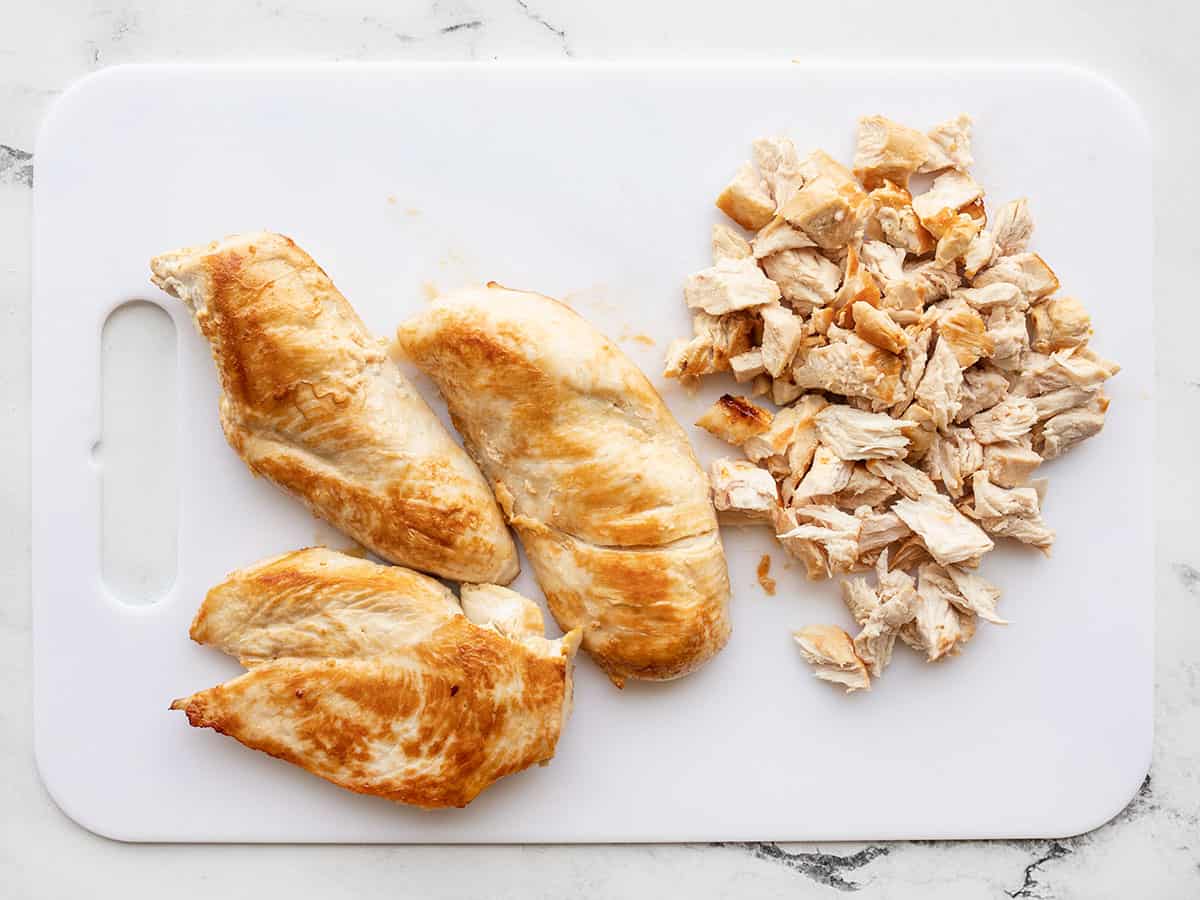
(1050, 405)
(746, 366)
(1028, 531)
(982, 389)
(779, 164)
(730, 285)
(920, 437)
(782, 332)
(1013, 228)
(854, 434)
(883, 261)
(952, 192)
(761, 385)
(860, 598)
(901, 228)
(980, 254)
(941, 384)
(829, 212)
(747, 199)
(876, 327)
(1028, 271)
(777, 236)
(950, 536)
(735, 420)
(909, 480)
(857, 284)
(687, 360)
(916, 357)
(803, 276)
(880, 529)
(831, 651)
(816, 565)
(791, 426)
(1009, 335)
(728, 244)
(1008, 420)
(1067, 429)
(956, 238)
(742, 491)
(952, 457)
(864, 489)
(889, 151)
(977, 595)
(963, 329)
(850, 367)
(922, 284)
(909, 553)
(820, 320)
(784, 391)
(1009, 465)
(985, 299)
(1058, 323)
(895, 606)
(993, 501)
(953, 139)
(939, 629)
(1074, 367)
(834, 532)
(820, 164)
(827, 475)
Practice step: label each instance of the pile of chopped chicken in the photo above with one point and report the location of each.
(922, 365)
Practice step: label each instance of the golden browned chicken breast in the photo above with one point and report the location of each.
(311, 400)
(372, 676)
(591, 469)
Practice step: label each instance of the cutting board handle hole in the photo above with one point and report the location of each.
(135, 456)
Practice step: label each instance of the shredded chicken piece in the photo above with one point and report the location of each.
(833, 532)
(982, 389)
(828, 211)
(879, 530)
(977, 595)
(957, 238)
(953, 139)
(777, 236)
(909, 480)
(953, 456)
(854, 434)
(827, 475)
(921, 436)
(963, 329)
(747, 366)
(782, 333)
(938, 629)
(742, 491)
(952, 192)
(950, 536)
(1010, 465)
(1013, 228)
(1009, 420)
(1074, 367)
(779, 164)
(775, 447)
(915, 358)
(1028, 271)
(1009, 336)
(831, 651)
(1011, 512)
(1064, 431)
(941, 384)
(889, 151)
(1058, 323)
(876, 327)
(735, 419)
(728, 244)
(864, 489)
(1050, 405)
(909, 553)
(857, 285)
(730, 285)
(803, 276)
(747, 199)
(895, 606)
(851, 367)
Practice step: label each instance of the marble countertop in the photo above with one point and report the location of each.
(1151, 849)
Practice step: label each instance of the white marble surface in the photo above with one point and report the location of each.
(1151, 850)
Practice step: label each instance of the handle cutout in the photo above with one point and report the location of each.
(136, 453)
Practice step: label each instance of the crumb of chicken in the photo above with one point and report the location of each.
(763, 571)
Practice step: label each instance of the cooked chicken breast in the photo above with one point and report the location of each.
(372, 677)
(592, 471)
(311, 401)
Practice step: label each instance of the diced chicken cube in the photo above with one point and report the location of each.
(803, 276)
(964, 330)
(922, 284)
(820, 164)
(953, 139)
(980, 254)
(982, 389)
(902, 229)
(985, 299)
(1067, 429)
(746, 366)
(876, 327)
(941, 384)
(728, 244)
(952, 192)
(1010, 337)
(1009, 465)
(747, 199)
(779, 164)
(889, 151)
(1028, 271)
(782, 332)
(735, 420)
(909, 480)
(1009, 420)
(854, 434)
(777, 236)
(828, 212)
(949, 535)
(1013, 228)
(857, 285)
(827, 475)
(1058, 323)
(850, 367)
(730, 285)
(953, 456)
(956, 238)
(831, 652)
(742, 492)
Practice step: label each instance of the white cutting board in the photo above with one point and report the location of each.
(593, 183)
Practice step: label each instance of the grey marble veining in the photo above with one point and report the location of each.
(1152, 849)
